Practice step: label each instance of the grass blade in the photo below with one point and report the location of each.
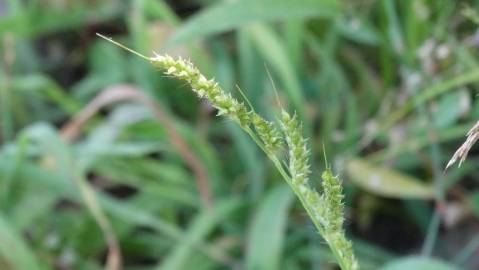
(265, 240)
(14, 253)
(229, 15)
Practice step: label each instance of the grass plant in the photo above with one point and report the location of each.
(106, 163)
(326, 208)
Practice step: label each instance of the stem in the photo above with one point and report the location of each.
(270, 155)
(343, 265)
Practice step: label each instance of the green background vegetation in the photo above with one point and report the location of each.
(106, 163)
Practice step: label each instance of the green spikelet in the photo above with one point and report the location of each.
(298, 150)
(270, 136)
(333, 199)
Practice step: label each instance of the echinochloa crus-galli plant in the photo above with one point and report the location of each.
(325, 208)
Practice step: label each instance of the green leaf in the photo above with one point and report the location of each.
(418, 263)
(14, 253)
(359, 31)
(203, 224)
(450, 107)
(387, 182)
(121, 210)
(271, 49)
(475, 203)
(229, 15)
(265, 240)
(39, 19)
(425, 96)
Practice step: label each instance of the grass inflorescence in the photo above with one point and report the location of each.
(325, 209)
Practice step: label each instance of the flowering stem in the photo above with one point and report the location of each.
(325, 209)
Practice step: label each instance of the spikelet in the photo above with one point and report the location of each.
(268, 133)
(332, 199)
(298, 150)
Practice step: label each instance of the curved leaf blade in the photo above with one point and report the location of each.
(267, 230)
(387, 182)
(418, 263)
(229, 15)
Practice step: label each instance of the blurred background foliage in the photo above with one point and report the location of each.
(105, 163)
